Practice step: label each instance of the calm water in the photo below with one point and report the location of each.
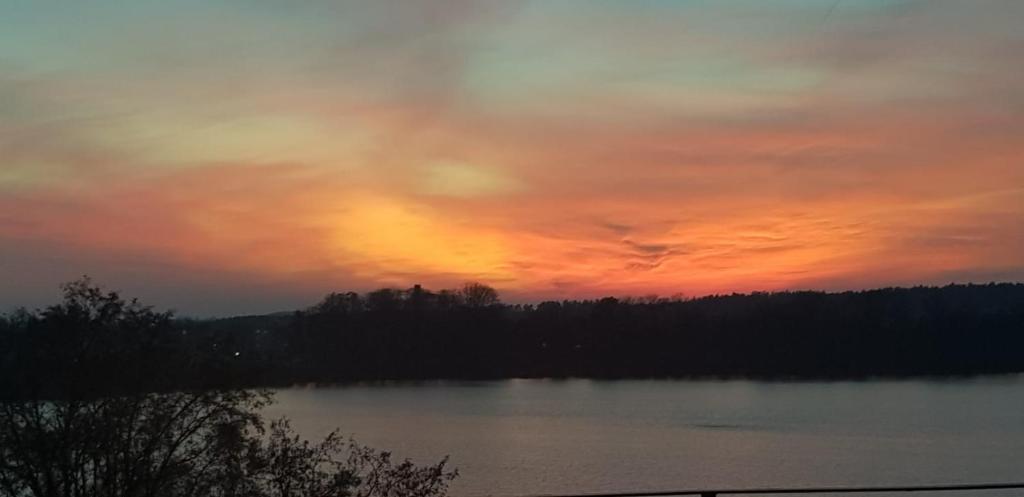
(545, 436)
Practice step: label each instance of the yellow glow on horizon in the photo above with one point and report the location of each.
(384, 236)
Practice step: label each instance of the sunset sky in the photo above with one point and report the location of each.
(223, 157)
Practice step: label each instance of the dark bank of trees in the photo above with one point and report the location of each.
(105, 397)
(953, 330)
(467, 333)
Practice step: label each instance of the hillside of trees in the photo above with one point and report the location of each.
(469, 334)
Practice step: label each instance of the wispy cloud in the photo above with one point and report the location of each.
(553, 149)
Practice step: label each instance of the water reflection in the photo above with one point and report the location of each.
(545, 436)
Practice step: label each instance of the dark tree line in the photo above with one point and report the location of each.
(953, 330)
(467, 333)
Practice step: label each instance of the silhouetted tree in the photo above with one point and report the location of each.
(343, 303)
(385, 299)
(448, 299)
(98, 407)
(478, 295)
(188, 444)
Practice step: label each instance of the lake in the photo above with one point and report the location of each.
(517, 437)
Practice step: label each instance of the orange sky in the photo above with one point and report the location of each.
(232, 159)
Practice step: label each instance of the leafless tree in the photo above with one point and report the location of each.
(479, 295)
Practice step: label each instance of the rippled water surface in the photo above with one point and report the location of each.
(548, 436)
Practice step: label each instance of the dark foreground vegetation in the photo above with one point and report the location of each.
(107, 398)
(469, 334)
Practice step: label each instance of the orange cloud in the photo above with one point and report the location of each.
(552, 152)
